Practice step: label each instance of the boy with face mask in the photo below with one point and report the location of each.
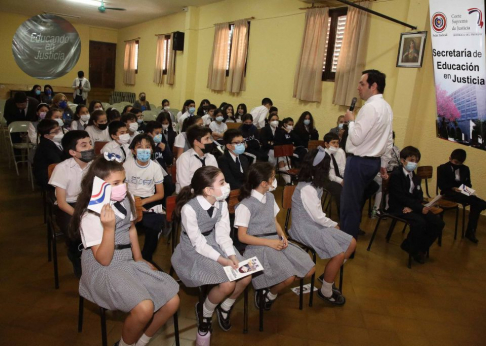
(130, 121)
(233, 163)
(66, 179)
(406, 197)
(120, 140)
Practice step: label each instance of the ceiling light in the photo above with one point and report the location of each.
(87, 2)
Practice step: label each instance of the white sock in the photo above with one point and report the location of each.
(326, 288)
(123, 343)
(208, 308)
(226, 305)
(271, 296)
(143, 341)
(345, 260)
(286, 178)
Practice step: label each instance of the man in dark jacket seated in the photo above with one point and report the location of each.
(406, 197)
(233, 163)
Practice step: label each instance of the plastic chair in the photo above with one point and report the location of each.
(149, 116)
(105, 105)
(286, 151)
(313, 144)
(20, 127)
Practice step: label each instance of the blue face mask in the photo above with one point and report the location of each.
(139, 121)
(239, 148)
(158, 138)
(192, 110)
(143, 155)
(63, 104)
(48, 92)
(307, 122)
(219, 119)
(37, 92)
(411, 166)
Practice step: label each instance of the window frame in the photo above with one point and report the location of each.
(137, 42)
(167, 54)
(231, 45)
(334, 14)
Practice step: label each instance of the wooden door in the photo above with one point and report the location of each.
(102, 59)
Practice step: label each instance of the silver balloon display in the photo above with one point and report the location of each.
(46, 46)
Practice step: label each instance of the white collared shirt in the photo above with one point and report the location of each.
(182, 118)
(141, 180)
(74, 125)
(218, 127)
(340, 157)
(221, 229)
(243, 215)
(187, 164)
(371, 134)
(409, 176)
(68, 175)
(207, 120)
(115, 147)
(97, 135)
(259, 115)
(313, 206)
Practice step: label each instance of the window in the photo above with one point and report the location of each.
(334, 41)
(136, 55)
(166, 53)
(230, 42)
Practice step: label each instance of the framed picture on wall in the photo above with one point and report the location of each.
(411, 49)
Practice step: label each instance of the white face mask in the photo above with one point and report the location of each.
(274, 123)
(289, 128)
(58, 137)
(225, 191)
(98, 109)
(85, 117)
(274, 185)
(165, 127)
(166, 108)
(124, 138)
(60, 122)
(133, 127)
(332, 150)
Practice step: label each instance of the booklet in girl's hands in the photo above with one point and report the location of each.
(245, 268)
(100, 195)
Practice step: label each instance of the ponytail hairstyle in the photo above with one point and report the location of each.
(204, 177)
(100, 168)
(317, 175)
(258, 172)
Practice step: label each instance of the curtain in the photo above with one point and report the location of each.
(159, 61)
(239, 51)
(219, 58)
(308, 75)
(129, 63)
(352, 57)
(171, 62)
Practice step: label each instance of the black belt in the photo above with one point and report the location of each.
(365, 157)
(204, 233)
(264, 234)
(122, 246)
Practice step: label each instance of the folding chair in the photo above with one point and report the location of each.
(20, 127)
(313, 144)
(53, 231)
(285, 151)
(98, 146)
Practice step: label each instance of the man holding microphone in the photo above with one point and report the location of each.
(369, 145)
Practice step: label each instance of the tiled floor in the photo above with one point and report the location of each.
(439, 303)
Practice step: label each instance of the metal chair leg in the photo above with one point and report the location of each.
(374, 233)
(390, 230)
(262, 303)
(313, 278)
(341, 277)
(457, 220)
(463, 219)
(245, 311)
(80, 314)
(176, 329)
(49, 243)
(54, 255)
(409, 261)
(301, 294)
(104, 340)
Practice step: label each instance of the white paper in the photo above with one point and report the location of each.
(245, 268)
(467, 190)
(305, 288)
(432, 202)
(100, 195)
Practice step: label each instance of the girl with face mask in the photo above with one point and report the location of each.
(47, 95)
(218, 126)
(305, 129)
(268, 139)
(60, 101)
(142, 102)
(206, 247)
(188, 110)
(114, 272)
(258, 227)
(41, 112)
(36, 92)
(98, 127)
(81, 118)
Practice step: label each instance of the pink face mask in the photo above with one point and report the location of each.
(119, 192)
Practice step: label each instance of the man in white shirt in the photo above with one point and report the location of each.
(81, 88)
(198, 156)
(369, 144)
(260, 113)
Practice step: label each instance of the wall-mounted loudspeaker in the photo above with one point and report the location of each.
(178, 43)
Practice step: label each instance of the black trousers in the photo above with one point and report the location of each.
(335, 189)
(152, 225)
(477, 205)
(424, 230)
(63, 220)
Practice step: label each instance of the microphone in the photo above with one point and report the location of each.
(353, 104)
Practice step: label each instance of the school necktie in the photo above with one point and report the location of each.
(124, 153)
(411, 184)
(120, 208)
(203, 160)
(239, 164)
(80, 86)
(210, 211)
(336, 168)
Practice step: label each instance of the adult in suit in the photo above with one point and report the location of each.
(406, 197)
(450, 176)
(20, 108)
(233, 163)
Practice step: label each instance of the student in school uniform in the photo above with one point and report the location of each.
(168, 133)
(66, 179)
(80, 118)
(233, 163)
(229, 114)
(130, 121)
(285, 135)
(268, 136)
(98, 127)
(120, 139)
(305, 129)
(145, 180)
(406, 199)
(95, 105)
(218, 126)
(59, 101)
(203, 108)
(40, 115)
(241, 110)
(199, 155)
(311, 227)
(451, 176)
(260, 113)
(181, 144)
(139, 114)
(48, 151)
(209, 116)
(251, 135)
(205, 247)
(115, 276)
(258, 227)
(188, 111)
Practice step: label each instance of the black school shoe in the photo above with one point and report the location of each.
(268, 302)
(204, 324)
(336, 299)
(224, 322)
(472, 237)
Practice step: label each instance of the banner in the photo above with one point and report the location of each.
(458, 50)
(46, 46)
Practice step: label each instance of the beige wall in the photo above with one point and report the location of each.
(10, 73)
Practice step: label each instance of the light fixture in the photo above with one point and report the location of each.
(87, 2)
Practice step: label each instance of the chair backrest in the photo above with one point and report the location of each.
(50, 169)
(233, 200)
(18, 126)
(148, 116)
(170, 203)
(232, 126)
(173, 173)
(105, 105)
(425, 173)
(153, 107)
(287, 196)
(138, 209)
(283, 150)
(98, 146)
(313, 144)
